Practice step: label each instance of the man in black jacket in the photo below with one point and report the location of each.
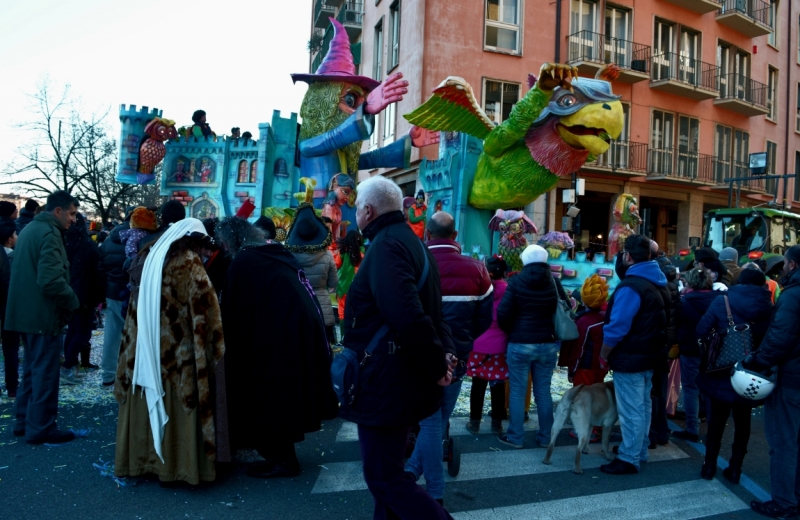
(781, 347)
(112, 262)
(659, 430)
(633, 344)
(26, 215)
(400, 383)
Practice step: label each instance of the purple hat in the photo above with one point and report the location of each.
(338, 64)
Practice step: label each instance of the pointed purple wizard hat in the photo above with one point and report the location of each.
(338, 63)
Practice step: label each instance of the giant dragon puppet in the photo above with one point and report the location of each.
(338, 113)
(562, 122)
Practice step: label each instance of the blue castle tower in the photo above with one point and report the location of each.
(133, 122)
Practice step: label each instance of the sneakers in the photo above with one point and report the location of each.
(683, 434)
(69, 376)
(619, 467)
(474, 426)
(504, 440)
(772, 510)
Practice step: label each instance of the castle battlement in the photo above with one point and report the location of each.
(143, 113)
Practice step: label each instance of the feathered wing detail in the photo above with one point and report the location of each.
(452, 108)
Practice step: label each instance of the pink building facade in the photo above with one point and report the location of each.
(704, 84)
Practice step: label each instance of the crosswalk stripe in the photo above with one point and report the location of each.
(680, 501)
(349, 431)
(347, 476)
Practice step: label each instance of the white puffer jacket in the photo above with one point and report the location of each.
(320, 270)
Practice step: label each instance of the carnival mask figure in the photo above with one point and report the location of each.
(342, 190)
(512, 226)
(418, 215)
(338, 113)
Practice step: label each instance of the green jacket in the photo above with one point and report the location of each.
(40, 300)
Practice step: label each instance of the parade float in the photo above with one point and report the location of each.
(485, 173)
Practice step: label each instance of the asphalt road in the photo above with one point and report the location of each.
(40, 482)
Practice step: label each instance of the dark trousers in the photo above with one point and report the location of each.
(37, 401)
(395, 493)
(11, 359)
(78, 335)
(720, 411)
(659, 430)
(782, 428)
(477, 394)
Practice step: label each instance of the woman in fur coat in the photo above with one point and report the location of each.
(170, 346)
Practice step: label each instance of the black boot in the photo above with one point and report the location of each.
(85, 353)
(708, 471)
(734, 470)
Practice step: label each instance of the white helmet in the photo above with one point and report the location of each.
(752, 385)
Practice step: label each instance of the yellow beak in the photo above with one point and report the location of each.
(590, 127)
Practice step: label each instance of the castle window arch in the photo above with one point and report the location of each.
(242, 176)
(254, 171)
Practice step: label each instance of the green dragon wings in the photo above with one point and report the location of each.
(452, 108)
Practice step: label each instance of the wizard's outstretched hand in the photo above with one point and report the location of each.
(422, 137)
(388, 92)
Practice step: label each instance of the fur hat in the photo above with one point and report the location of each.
(594, 291)
(705, 254)
(171, 212)
(143, 218)
(533, 254)
(7, 208)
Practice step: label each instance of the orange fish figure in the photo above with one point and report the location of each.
(152, 150)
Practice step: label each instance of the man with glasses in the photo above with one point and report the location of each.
(634, 340)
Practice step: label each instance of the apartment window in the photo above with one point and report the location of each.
(722, 153)
(389, 122)
(502, 26)
(688, 140)
(377, 52)
(663, 48)
(499, 98)
(688, 67)
(373, 137)
(741, 154)
(662, 133)
(618, 45)
(583, 16)
(796, 179)
(772, 94)
(797, 117)
(394, 42)
(772, 16)
(772, 157)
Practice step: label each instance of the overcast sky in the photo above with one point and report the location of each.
(229, 58)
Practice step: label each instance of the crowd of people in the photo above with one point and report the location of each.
(214, 330)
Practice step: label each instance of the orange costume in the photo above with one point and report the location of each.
(418, 215)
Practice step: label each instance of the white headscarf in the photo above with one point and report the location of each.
(147, 366)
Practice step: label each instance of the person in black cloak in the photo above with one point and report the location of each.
(277, 356)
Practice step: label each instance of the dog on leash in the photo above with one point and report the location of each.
(586, 406)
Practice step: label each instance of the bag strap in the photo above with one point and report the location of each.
(728, 310)
(385, 327)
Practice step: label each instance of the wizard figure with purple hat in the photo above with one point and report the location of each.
(339, 112)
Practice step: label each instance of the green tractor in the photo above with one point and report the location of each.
(756, 233)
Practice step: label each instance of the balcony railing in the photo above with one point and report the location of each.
(737, 86)
(726, 169)
(323, 9)
(675, 67)
(351, 13)
(599, 48)
(623, 155)
(756, 10)
(679, 164)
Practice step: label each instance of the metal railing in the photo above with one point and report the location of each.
(757, 10)
(592, 46)
(673, 66)
(351, 13)
(737, 86)
(680, 164)
(623, 155)
(732, 169)
(320, 4)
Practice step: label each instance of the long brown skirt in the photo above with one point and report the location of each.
(184, 457)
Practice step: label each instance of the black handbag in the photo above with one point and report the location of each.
(723, 349)
(346, 366)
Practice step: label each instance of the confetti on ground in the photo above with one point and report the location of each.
(80, 432)
(62, 466)
(4, 467)
(91, 389)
